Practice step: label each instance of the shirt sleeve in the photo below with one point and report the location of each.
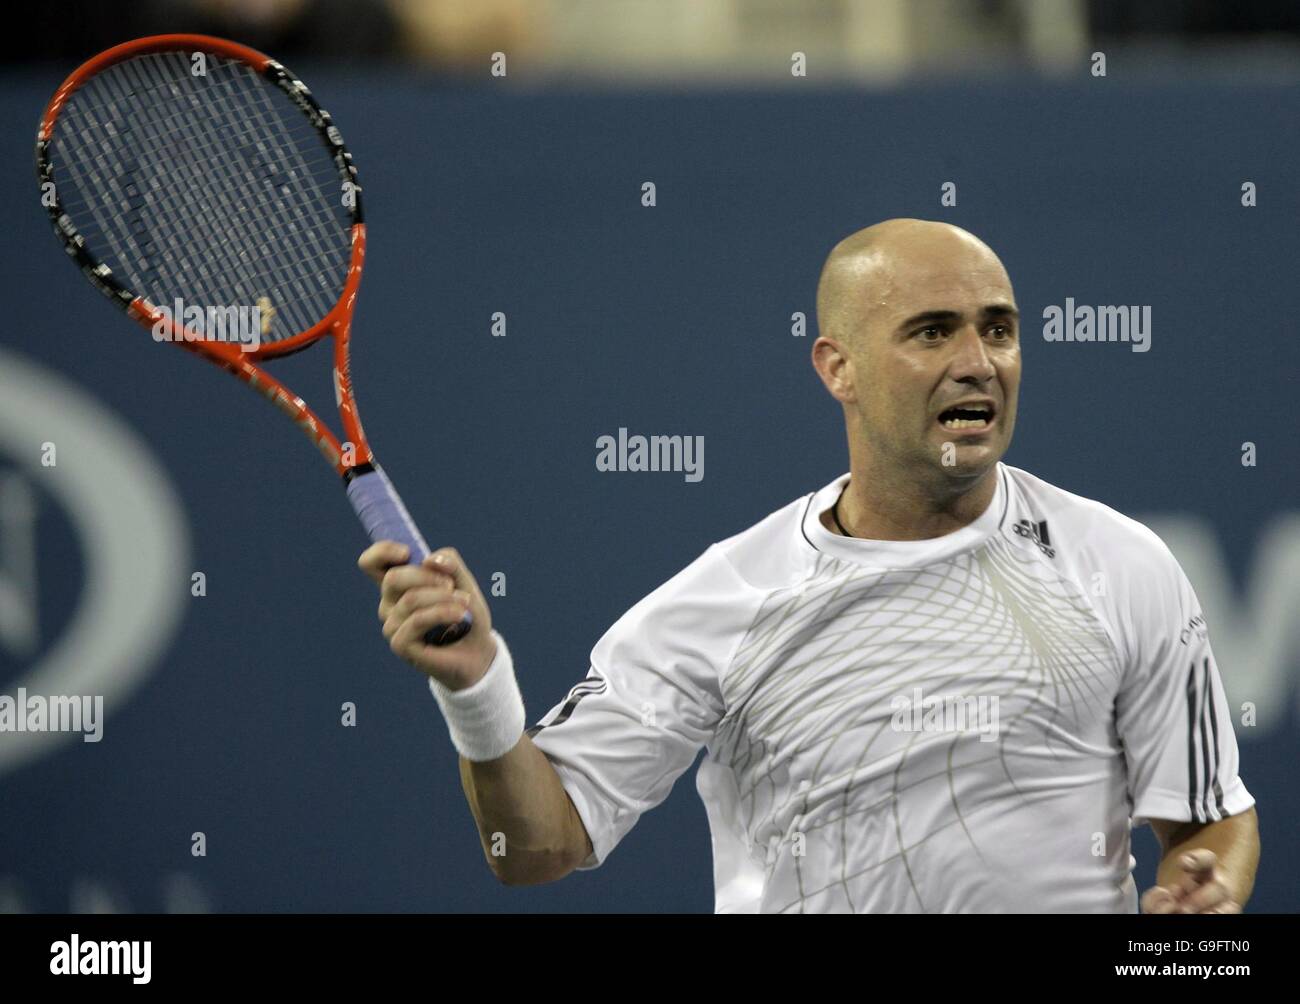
(621, 737)
(1172, 714)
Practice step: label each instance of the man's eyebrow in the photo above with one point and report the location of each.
(938, 316)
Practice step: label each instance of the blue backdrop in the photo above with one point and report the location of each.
(667, 320)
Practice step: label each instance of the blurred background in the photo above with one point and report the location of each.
(1115, 153)
(695, 41)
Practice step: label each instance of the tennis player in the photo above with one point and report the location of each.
(936, 684)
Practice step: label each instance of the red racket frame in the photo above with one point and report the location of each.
(337, 323)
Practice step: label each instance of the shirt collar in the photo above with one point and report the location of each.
(891, 554)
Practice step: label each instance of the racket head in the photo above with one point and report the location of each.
(190, 168)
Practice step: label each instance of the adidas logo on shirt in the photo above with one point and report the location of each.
(1037, 532)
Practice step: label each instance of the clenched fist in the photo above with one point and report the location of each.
(414, 598)
(1200, 888)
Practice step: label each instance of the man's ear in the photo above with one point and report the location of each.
(835, 369)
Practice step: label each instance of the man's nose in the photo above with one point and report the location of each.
(970, 361)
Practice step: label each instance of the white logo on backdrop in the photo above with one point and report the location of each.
(134, 540)
(1254, 630)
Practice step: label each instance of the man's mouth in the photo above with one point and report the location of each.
(968, 415)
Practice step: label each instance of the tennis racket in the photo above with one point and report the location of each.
(198, 184)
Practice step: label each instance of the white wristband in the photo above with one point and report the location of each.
(487, 718)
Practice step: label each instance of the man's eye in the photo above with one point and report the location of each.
(930, 334)
(1001, 332)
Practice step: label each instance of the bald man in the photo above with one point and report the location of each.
(937, 684)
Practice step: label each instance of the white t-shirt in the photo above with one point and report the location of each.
(969, 723)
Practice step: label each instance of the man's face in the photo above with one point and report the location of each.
(938, 360)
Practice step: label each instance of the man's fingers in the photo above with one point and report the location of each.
(1212, 897)
(1206, 898)
(1200, 861)
(1186, 884)
(376, 559)
(398, 599)
(426, 596)
(409, 636)
(1197, 869)
(1158, 899)
(448, 561)
(1198, 888)
(416, 600)
(397, 581)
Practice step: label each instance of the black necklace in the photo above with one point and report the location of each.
(835, 515)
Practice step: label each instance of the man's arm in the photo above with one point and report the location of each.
(529, 828)
(1175, 727)
(1205, 867)
(650, 701)
(530, 831)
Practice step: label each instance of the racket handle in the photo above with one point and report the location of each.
(382, 513)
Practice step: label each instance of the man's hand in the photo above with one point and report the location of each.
(1199, 887)
(414, 598)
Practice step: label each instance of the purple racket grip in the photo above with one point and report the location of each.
(382, 513)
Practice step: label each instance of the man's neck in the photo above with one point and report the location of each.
(877, 507)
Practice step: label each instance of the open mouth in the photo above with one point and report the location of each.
(971, 415)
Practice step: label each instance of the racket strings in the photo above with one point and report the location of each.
(247, 237)
(216, 248)
(206, 255)
(206, 244)
(213, 189)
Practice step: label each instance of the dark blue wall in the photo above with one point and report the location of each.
(666, 320)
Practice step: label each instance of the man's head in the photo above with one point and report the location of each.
(916, 318)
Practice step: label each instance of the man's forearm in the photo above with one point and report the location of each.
(1235, 843)
(529, 829)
